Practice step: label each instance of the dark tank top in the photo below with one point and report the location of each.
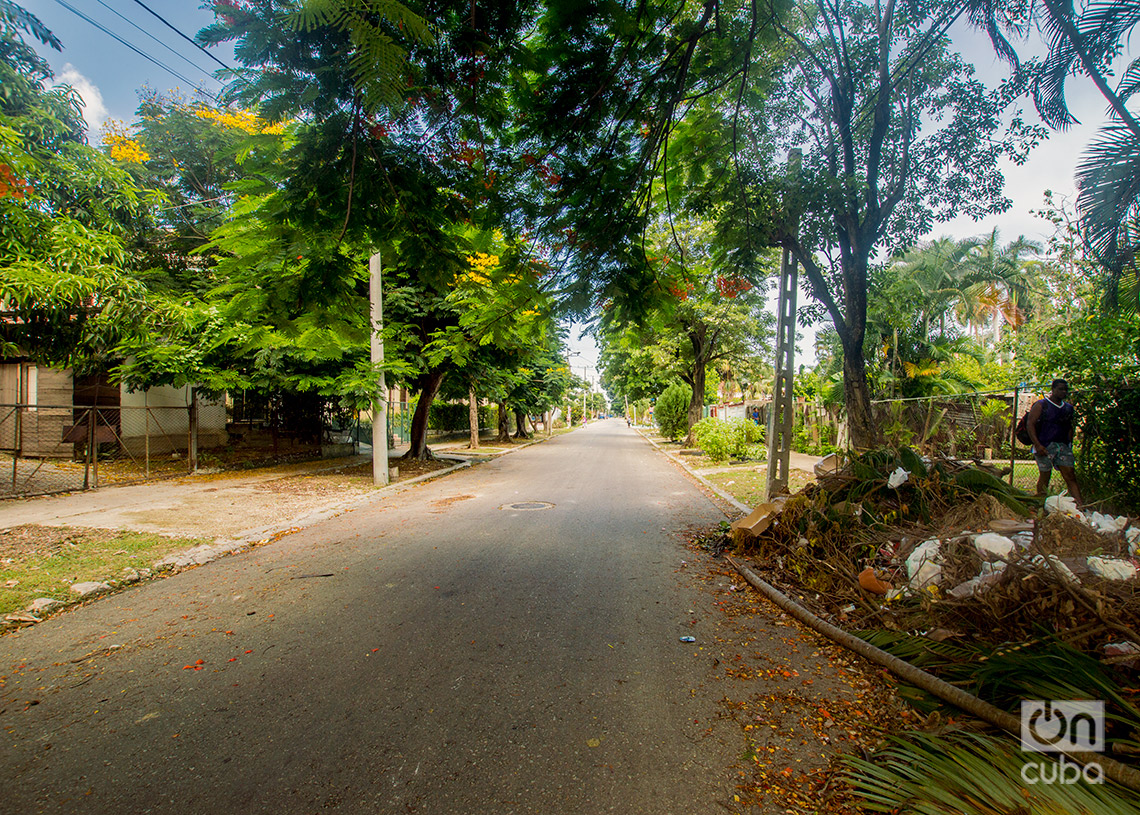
(1055, 422)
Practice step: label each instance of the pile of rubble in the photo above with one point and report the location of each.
(896, 541)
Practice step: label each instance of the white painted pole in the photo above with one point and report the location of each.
(380, 406)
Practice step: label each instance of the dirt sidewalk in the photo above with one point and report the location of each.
(230, 506)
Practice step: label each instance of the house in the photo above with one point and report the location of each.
(47, 413)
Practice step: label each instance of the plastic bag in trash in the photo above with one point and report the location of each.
(1054, 562)
(898, 478)
(993, 545)
(1107, 524)
(1111, 568)
(1132, 535)
(924, 564)
(1065, 504)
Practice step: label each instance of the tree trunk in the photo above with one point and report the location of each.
(857, 393)
(520, 425)
(429, 387)
(473, 417)
(504, 425)
(548, 422)
(696, 403)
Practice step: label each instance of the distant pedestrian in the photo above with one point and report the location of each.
(1050, 427)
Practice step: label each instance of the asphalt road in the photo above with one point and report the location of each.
(433, 652)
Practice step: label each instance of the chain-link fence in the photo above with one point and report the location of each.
(59, 448)
(47, 449)
(980, 426)
(970, 426)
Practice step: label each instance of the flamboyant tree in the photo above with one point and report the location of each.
(707, 313)
(68, 288)
(405, 138)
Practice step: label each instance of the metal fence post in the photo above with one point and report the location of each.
(90, 450)
(1013, 433)
(146, 431)
(192, 453)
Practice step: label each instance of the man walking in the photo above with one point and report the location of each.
(1050, 427)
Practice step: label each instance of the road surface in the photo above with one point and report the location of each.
(436, 651)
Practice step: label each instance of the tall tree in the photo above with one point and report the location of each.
(707, 313)
(1003, 280)
(69, 286)
(897, 134)
(402, 143)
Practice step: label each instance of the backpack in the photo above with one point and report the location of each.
(1022, 431)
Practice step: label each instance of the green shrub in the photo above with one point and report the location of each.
(672, 411)
(722, 439)
(454, 417)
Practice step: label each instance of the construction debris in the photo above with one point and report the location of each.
(970, 552)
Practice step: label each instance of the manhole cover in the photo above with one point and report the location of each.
(528, 506)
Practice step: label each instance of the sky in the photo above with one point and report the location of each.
(108, 75)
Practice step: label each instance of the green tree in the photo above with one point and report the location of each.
(401, 146)
(68, 286)
(707, 314)
(1003, 281)
(671, 412)
(897, 134)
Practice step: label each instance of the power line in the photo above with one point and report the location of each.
(183, 36)
(156, 39)
(141, 53)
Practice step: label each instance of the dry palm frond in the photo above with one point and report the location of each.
(969, 774)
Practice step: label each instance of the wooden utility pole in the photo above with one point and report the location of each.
(380, 405)
(780, 422)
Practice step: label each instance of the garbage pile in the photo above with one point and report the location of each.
(944, 547)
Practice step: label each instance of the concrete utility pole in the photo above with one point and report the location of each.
(379, 406)
(780, 416)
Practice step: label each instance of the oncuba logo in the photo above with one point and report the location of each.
(1063, 726)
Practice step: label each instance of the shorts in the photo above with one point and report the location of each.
(1057, 454)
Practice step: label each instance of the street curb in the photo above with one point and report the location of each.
(208, 553)
(677, 460)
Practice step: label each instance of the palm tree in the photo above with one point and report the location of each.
(1000, 282)
(1109, 174)
(933, 275)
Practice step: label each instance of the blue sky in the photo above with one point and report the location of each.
(106, 72)
(109, 75)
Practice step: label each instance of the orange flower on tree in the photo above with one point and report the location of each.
(10, 185)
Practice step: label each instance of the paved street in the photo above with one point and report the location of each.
(433, 651)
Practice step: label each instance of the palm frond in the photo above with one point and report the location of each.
(984, 14)
(1049, 85)
(970, 774)
(1108, 200)
(1102, 25)
(15, 16)
(1129, 81)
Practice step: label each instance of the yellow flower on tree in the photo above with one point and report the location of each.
(120, 146)
(243, 120)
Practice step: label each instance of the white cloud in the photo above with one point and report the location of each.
(94, 111)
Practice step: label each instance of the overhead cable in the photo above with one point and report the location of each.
(131, 22)
(190, 40)
(141, 53)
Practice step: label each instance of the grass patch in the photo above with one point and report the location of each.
(747, 486)
(39, 561)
